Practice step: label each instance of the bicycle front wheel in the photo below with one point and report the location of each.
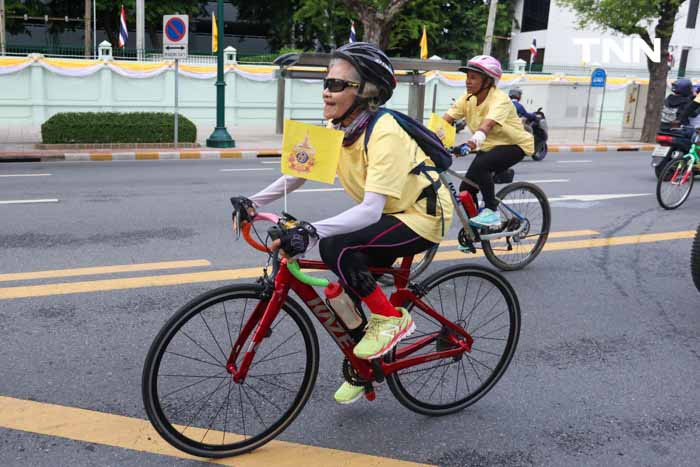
(674, 185)
(482, 302)
(192, 400)
(524, 208)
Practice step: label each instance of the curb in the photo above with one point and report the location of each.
(247, 154)
(186, 154)
(600, 147)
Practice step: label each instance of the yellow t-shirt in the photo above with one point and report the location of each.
(498, 107)
(384, 169)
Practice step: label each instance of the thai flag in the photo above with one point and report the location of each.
(353, 36)
(123, 33)
(533, 48)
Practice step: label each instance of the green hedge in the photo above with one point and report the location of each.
(115, 127)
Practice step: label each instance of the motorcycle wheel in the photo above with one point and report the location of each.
(540, 152)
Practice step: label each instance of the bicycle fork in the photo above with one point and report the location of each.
(258, 324)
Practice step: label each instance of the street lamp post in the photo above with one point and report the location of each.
(220, 138)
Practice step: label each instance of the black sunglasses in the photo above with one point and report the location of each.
(338, 85)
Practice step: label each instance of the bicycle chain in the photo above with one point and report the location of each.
(351, 376)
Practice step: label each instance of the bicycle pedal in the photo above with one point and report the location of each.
(370, 395)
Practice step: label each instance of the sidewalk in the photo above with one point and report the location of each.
(253, 142)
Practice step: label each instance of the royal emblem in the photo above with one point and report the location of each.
(302, 157)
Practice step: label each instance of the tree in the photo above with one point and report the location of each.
(636, 18)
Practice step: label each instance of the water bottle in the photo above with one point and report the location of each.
(343, 306)
(468, 202)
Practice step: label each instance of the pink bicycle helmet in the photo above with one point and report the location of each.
(486, 65)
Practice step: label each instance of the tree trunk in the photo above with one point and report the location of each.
(376, 24)
(376, 30)
(658, 72)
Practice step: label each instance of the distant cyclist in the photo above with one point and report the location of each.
(498, 135)
(397, 214)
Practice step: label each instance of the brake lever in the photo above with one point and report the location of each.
(237, 220)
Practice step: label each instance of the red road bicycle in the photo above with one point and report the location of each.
(234, 367)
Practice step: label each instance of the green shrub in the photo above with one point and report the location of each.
(115, 127)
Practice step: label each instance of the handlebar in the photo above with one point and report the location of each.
(292, 264)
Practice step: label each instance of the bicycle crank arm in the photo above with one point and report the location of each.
(497, 235)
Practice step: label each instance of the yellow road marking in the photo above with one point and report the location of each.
(247, 273)
(22, 276)
(562, 234)
(138, 435)
(577, 244)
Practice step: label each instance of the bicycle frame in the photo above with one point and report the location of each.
(265, 313)
(462, 213)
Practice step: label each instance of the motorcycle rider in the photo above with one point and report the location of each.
(677, 105)
(515, 95)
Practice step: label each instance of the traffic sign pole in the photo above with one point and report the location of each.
(177, 72)
(600, 116)
(220, 138)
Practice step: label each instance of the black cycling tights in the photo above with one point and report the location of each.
(483, 167)
(379, 245)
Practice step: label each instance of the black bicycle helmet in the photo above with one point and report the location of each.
(683, 87)
(515, 93)
(373, 66)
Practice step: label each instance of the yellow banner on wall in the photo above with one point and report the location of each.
(310, 151)
(444, 130)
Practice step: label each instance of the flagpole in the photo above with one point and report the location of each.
(94, 29)
(220, 137)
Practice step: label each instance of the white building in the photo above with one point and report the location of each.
(561, 46)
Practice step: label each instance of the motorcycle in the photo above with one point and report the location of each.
(539, 131)
(672, 144)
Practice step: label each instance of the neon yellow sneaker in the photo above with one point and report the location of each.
(383, 333)
(348, 393)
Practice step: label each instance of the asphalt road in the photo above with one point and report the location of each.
(606, 373)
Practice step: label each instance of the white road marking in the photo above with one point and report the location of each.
(25, 175)
(29, 201)
(245, 170)
(313, 190)
(582, 198)
(270, 162)
(582, 161)
(554, 180)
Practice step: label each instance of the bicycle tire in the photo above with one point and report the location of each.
(492, 254)
(417, 268)
(399, 383)
(695, 259)
(665, 185)
(168, 416)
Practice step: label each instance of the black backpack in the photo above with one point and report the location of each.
(430, 144)
(425, 138)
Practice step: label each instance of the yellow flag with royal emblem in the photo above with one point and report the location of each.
(443, 130)
(214, 35)
(311, 152)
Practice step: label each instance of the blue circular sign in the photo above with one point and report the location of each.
(598, 78)
(175, 29)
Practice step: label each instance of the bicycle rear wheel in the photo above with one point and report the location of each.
(533, 216)
(417, 267)
(674, 185)
(482, 302)
(192, 400)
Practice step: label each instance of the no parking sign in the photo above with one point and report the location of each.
(175, 36)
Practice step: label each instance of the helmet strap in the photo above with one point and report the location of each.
(486, 80)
